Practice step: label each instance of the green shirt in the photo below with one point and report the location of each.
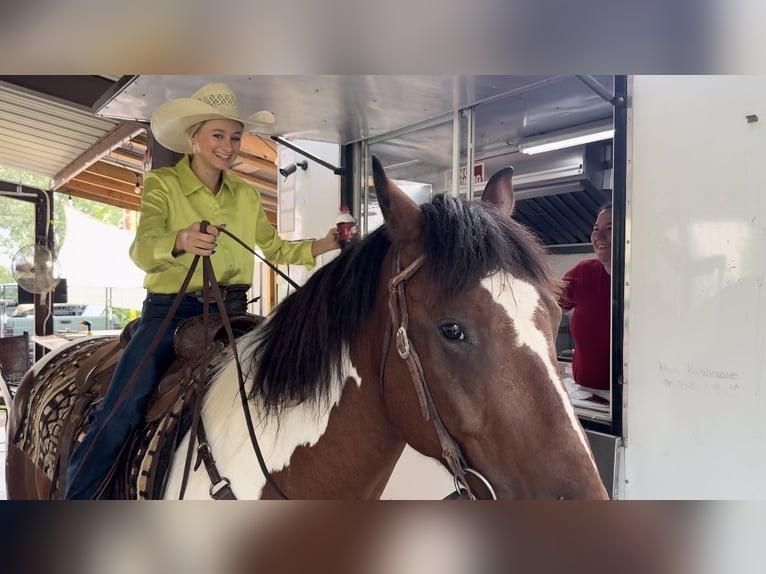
(173, 199)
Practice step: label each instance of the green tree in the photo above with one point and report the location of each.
(17, 217)
(18, 176)
(17, 225)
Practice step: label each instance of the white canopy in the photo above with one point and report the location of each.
(95, 255)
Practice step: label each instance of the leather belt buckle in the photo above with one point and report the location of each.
(233, 290)
(200, 296)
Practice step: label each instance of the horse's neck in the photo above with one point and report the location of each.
(346, 449)
(356, 455)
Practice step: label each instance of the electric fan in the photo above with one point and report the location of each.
(35, 269)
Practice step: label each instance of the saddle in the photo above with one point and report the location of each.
(141, 468)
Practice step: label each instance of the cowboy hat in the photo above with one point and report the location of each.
(171, 121)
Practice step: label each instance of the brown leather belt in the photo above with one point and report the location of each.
(227, 292)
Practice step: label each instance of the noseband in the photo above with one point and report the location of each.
(397, 307)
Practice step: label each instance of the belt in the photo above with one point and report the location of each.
(227, 292)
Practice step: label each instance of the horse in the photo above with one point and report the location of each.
(436, 331)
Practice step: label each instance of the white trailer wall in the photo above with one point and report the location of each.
(308, 201)
(695, 315)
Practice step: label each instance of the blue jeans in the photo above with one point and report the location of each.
(86, 469)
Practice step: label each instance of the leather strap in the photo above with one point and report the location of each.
(220, 486)
(397, 305)
(276, 269)
(142, 365)
(210, 284)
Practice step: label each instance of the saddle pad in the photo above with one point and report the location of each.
(61, 401)
(50, 403)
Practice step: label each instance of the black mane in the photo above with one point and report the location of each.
(298, 351)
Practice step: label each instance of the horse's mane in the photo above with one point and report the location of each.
(298, 352)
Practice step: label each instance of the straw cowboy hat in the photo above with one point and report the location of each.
(171, 121)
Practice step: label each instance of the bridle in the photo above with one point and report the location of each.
(397, 307)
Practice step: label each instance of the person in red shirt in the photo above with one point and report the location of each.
(588, 290)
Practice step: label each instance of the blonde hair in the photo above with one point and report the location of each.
(195, 128)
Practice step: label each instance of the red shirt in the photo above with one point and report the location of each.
(588, 289)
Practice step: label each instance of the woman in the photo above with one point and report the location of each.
(588, 290)
(207, 127)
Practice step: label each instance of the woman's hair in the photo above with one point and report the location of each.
(194, 129)
(604, 207)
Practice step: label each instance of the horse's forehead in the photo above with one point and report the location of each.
(521, 300)
(517, 296)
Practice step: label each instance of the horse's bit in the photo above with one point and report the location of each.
(397, 306)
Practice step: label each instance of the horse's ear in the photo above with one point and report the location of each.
(499, 190)
(404, 219)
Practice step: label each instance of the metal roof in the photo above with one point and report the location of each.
(347, 108)
(42, 136)
(48, 127)
(88, 133)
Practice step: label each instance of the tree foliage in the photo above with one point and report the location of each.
(17, 217)
(18, 176)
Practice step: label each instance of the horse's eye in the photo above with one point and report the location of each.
(453, 332)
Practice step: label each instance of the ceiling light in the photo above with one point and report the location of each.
(561, 142)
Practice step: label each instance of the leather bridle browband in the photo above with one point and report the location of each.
(397, 307)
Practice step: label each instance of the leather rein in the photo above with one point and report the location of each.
(220, 486)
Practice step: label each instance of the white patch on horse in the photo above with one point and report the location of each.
(229, 440)
(520, 300)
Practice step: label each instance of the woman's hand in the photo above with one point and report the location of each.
(192, 240)
(326, 243)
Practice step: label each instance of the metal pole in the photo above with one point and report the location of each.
(469, 150)
(455, 191)
(2, 312)
(594, 85)
(308, 154)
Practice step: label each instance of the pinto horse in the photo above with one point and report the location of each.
(436, 330)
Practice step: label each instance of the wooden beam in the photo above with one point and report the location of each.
(122, 201)
(250, 163)
(268, 202)
(137, 145)
(112, 171)
(258, 147)
(261, 184)
(99, 193)
(128, 157)
(106, 183)
(103, 146)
